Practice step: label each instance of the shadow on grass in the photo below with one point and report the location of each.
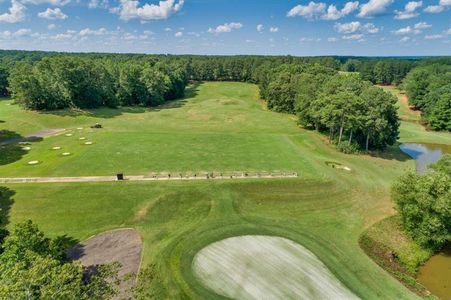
(391, 153)
(10, 149)
(6, 201)
(107, 113)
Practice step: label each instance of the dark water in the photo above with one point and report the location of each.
(435, 274)
(425, 154)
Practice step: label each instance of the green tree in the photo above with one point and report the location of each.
(424, 204)
(33, 266)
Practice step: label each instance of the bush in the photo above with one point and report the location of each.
(349, 148)
(424, 204)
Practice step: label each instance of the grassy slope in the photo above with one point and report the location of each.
(325, 209)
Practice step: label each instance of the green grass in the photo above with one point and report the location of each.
(411, 129)
(213, 129)
(220, 126)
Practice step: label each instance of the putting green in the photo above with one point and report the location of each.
(266, 267)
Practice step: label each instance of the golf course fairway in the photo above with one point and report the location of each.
(266, 267)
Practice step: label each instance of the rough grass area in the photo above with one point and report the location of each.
(389, 246)
(266, 267)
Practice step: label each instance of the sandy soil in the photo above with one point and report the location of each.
(266, 267)
(123, 246)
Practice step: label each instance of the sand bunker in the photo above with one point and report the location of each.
(339, 166)
(33, 162)
(66, 154)
(266, 267)
(82, 138)
(56, 148)
(88, 143)
(69, 134)
(122, 245)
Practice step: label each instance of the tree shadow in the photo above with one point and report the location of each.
(13, 146)
(6, 201)
(391, 153)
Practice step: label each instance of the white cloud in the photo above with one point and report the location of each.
(306, 39)
(434, 9)
(347, 27)
(373, 8)
(405, 39)
(334, 14)
(422, 25)
(309, 11)
(445, 2)
(53, 14)
(415, 29)
(98, 3)
(260, 27)
(409, 10)
(434, 37)
(274, 29)
(227, 27)
(7, 35)
(89, 31)
(129, 9)
(355, 26)
(51, 26)
(15, 14)
(178, 34)
(332, 39)
(370, 28)
(448, 32)
(353, 37)
(51, 2)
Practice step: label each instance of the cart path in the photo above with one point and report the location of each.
(37, 135)
(146, 178)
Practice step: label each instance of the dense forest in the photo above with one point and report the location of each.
(334, 95)
(429, 90)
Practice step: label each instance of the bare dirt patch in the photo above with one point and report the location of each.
(122, 245)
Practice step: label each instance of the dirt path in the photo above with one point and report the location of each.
(37, 135)
(122, 245)
(146, 178)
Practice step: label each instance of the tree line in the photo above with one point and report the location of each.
(70, 81)
(429, 90)
(355, 114)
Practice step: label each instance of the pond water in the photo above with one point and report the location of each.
(435, 274)
(425, 154)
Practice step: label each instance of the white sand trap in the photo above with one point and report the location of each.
(79, 128)
(33, 162)
(66, 154)
(26, 148)
(266, 267)
(56, 148)
(82, 138)
(88, 143)
(69, 134)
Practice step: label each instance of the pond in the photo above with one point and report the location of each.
(424, 154)
(435, 274)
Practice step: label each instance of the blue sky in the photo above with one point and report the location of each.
(272, 27)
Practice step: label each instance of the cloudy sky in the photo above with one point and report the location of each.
(367, 27)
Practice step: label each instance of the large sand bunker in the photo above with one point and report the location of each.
(266, 267)
(123, 246)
